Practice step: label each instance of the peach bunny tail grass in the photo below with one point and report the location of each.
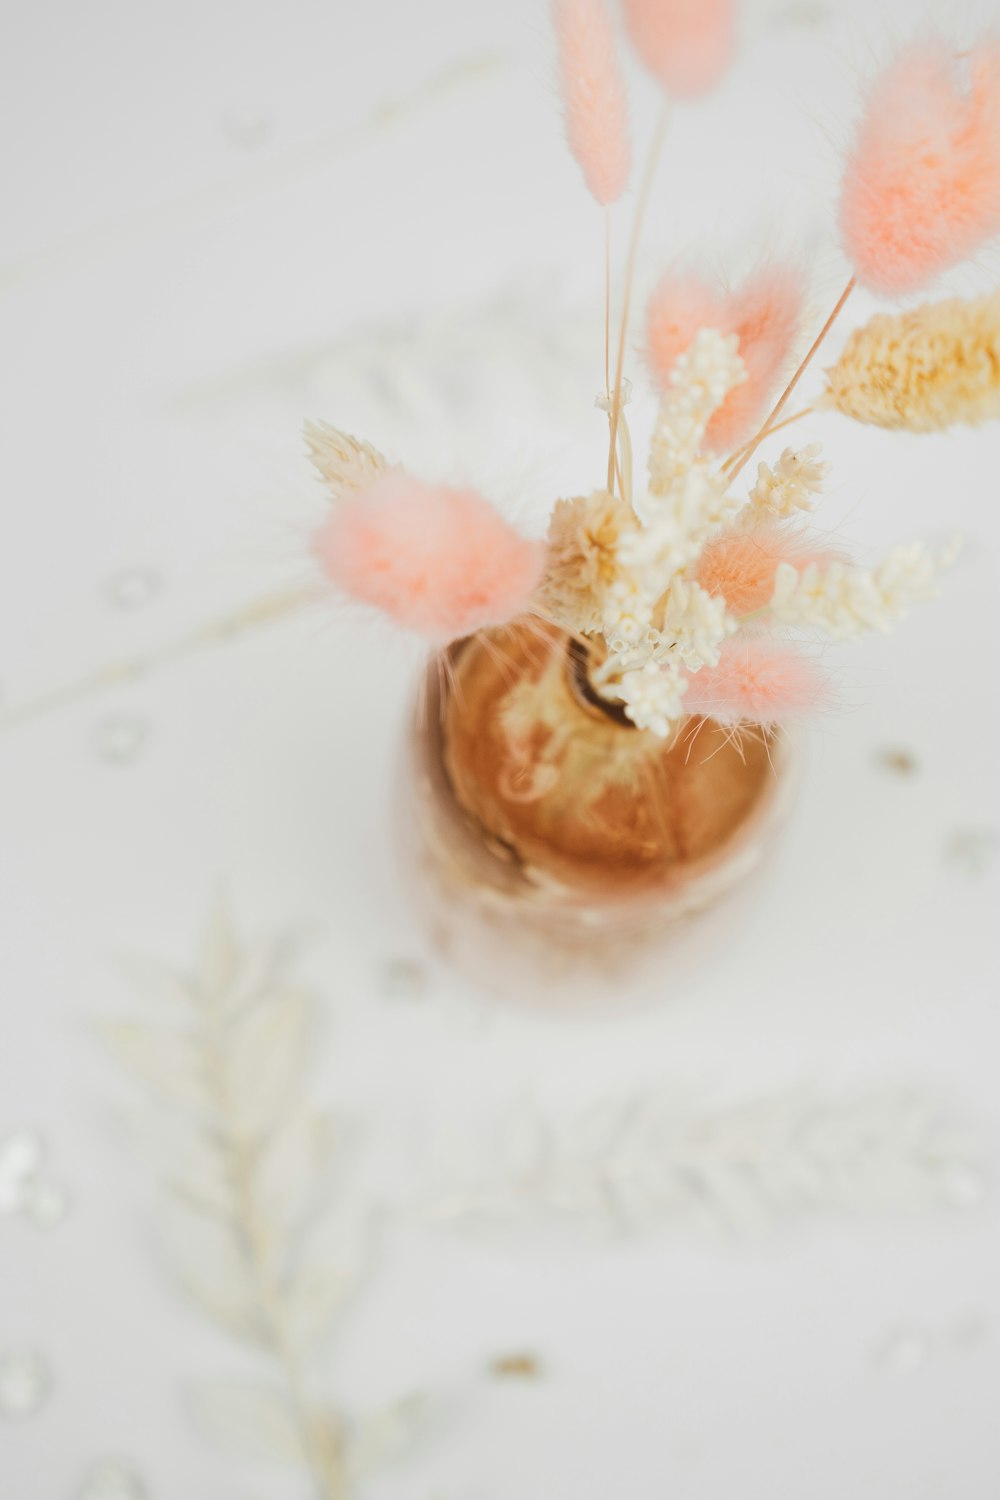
(438, 561)
(593, 94)
(686, 44)
(740, 566)
(680, 307)
(757, 682)
(921, 188)
(922, 370)
(765, 313)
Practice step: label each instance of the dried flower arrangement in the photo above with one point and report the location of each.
(684, 597)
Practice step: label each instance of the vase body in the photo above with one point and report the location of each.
(547, 838)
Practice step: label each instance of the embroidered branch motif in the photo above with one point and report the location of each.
(256, 1242)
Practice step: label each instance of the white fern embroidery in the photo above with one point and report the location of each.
(655, 1158)
(248, 1226)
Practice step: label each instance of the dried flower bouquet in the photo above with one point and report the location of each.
(686, 596)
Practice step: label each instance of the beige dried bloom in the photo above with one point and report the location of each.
(345, 463)
(922, 370)
(790, 486)
(582, 559)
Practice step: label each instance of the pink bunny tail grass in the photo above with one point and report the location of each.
(593, 93)
(921, 188)
(756, 682)
(680, 307)
(438, 561)
(686, 44)
(740, 566)
(765, 313)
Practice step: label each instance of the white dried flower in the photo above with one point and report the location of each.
(790, 486)
(624, 657)
(687, 503)
(628, 613)
(696, 623)
(653, 697)
(700, 381)
(845, 601)
(677, 525)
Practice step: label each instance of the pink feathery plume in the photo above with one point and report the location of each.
(756, 682)
(739, 566)
(921, 187)
(687, 44)
(680, 307)
(438, 561)
(765, 313)
(593, 94)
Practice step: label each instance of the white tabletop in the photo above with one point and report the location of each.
(736, 1242)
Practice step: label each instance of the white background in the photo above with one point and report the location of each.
(220, 219)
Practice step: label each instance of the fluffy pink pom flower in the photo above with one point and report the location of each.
(438, 561)
(756, 682)
(922, 186)
(593, 94)
(764, 313)
(740, 565)
(687, 44)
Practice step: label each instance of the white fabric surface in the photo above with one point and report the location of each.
(221, 219)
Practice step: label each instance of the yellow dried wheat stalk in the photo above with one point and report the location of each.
(344, 462)
(922, 370)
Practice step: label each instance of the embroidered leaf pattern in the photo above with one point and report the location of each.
(244, 1160)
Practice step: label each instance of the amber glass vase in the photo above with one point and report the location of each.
(548, 838)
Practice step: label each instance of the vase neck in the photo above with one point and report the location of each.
(578, 663)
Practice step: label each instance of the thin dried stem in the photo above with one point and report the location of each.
(229, 627)
(766, 432)
(783, 399)
(607, 302)
(640, 211)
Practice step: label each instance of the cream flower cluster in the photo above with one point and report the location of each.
(660, 624)
(695, 623)
(844, 601)
(676, 526)
(700, 381)
(654, 675)
(687, 499)
(790, 486)
(653, 696)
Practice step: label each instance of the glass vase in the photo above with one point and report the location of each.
(547, 839)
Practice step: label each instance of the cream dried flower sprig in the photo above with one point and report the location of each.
(791, 486)
(845, 601)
